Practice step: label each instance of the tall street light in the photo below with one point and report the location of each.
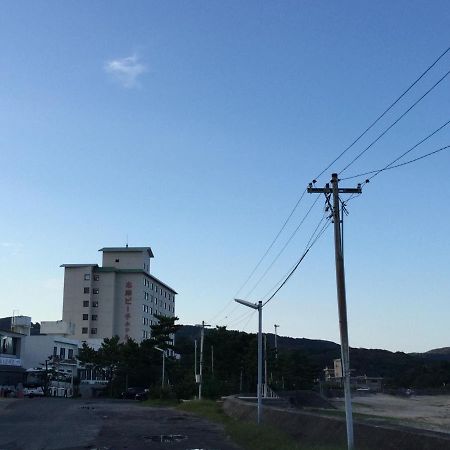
(163, 364)
(258, 306)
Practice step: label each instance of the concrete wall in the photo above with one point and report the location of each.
(319, 430)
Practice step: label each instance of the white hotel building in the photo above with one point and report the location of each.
(119, 298)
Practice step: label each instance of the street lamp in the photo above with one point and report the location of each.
(258, 306)
(163, 364)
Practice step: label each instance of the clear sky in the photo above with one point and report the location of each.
(194, 127)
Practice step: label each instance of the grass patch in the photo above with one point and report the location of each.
(160, 402)
(249, 435)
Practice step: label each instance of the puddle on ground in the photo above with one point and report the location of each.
(166, 438)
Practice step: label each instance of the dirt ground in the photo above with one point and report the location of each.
(428, 412)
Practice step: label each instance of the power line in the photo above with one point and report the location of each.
(375, 172)
(389, 167)
(384, 112)
(282, 249)
(394, 123)
(299, 261)
(326, 168)
(262, 257)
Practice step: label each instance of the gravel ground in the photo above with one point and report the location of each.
(428, 412)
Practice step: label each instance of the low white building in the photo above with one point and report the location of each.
(58, 351)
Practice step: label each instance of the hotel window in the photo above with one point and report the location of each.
(87, 276)
(145, 295)
(165, 294)
(85, 303)
(70, 353)
(95, 304)
(86, 290)
(93, 330)
(84, 330)
(95, 290)
(151, 286)
(96, 277)
(94, 317)
(62, 352)
(85, 316)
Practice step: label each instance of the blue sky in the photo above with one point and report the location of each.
(194, 127)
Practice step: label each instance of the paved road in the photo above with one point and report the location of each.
(57, 424)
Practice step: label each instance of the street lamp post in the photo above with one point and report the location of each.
(258, 306)
(163, 365)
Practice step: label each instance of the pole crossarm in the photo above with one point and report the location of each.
(329, 190)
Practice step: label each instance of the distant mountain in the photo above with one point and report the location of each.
(415, 369)
(437, 354)
(440, 351)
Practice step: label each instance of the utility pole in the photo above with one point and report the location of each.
(195, 360)
(258, 306)
(202, 338)
(163, 375)
(265, 365)
(276, 343)
(335, 190)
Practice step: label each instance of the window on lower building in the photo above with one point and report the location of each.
(94, 317)
(96, 277)
(85, 316)
(95, 304)
(55, 351)
(62, 352)
(86, 290)
(95, 291)
(70, 353)
(93, 330)
(84, 330)
(87, 276)
(85, 303)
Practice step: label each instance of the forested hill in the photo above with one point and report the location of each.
(431, 369)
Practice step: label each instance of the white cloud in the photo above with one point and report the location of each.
(12, 248)
(126, 70)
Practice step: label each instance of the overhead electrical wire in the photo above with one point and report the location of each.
(319, 235)
(283, 248)
(262, 257)
(385, 111)
(394, 123)
(337, 158)
(375, 172)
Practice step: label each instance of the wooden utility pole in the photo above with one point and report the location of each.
(335, 190)
(276, 344)
(202, 338)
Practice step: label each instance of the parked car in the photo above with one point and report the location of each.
(31, 392)
(135, 393)
(141, 396)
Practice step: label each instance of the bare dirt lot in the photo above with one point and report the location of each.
(427, 412)
(72, 424)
